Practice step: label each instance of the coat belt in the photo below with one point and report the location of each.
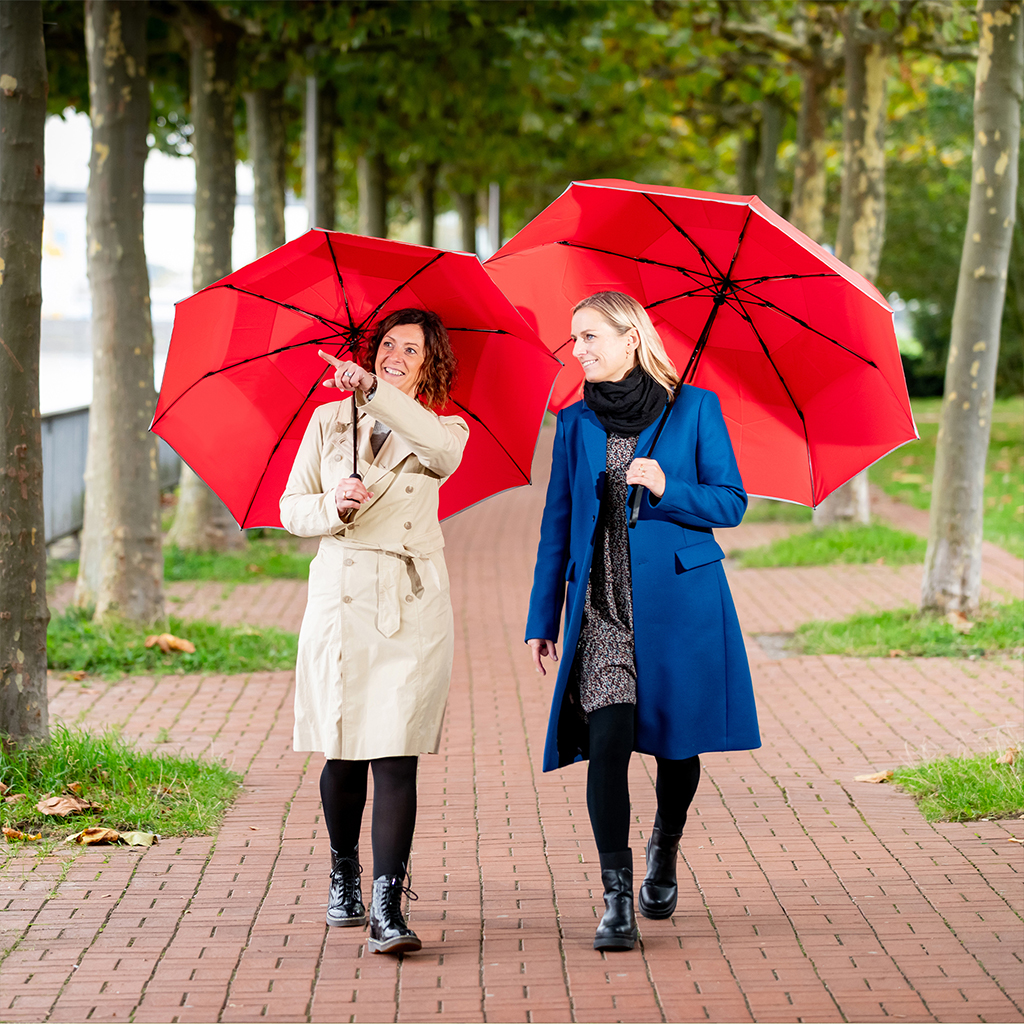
(389, 572)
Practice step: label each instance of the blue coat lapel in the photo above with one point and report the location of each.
(595, 442)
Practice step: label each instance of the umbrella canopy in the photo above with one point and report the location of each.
(800, 349)
(243, 375)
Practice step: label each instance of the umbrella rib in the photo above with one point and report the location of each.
(704, 257)
(474, 416)
(692, 274)
(405, 284)
(273, 451)
(479, 330)
(242, 362)
(326, 321)
(782, 380)
(746, 281)
(341, 281)
(754, 298)
(683, 295)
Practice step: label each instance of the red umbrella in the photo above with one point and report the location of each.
(799, 348)
(243, 375)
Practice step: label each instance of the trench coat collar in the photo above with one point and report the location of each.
(595, 439)
(392, 451)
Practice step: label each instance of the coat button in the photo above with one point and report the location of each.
(337, 458)
(408, 526)
(408, 598)
(347, 599)
(348, 561)
(408, 489)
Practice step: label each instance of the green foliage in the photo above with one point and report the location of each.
(114, 648)
(965, 788)
(839, 544)
(261, 559)
(907, 473)
(767, 510)
(908, 632)
(135, 789)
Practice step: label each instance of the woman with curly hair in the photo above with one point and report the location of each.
(377, 637)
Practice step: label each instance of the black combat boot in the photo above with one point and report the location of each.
(388, 931)
(617, 930)
(659, 891)
(345, 898)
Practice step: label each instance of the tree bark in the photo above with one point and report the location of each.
(23, 611)
(121, 565)
(862, 205)
(773, 117)
(326, 188)
(265, 125)
(466, 204)
(372, 181)
(202, 521)
(952, 571)
(807, 211)
(746, 163)
(426, 201)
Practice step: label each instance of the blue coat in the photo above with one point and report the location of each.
(693, 683)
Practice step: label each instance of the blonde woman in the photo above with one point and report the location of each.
(655, 660)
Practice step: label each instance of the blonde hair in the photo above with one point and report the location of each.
(624, 313)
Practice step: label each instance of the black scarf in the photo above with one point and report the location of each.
(629, 405)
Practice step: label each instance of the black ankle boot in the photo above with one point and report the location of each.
(617, 930)
(388, 931)
(345, 898)
(659, 891)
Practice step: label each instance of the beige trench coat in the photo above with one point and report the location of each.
(377, 637)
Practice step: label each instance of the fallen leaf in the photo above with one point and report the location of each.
(97, 835)
(138, 838)
(168, 642)
(959, 622)
(15, 798)
(254, 568)
(1011, 839)
(1010, 757)
(77, 675)
(880, 561)
(3, 788)
(62, 806)
(254, 828)
(876, 777)
(75, 787)
(13, 834)
(895, 652)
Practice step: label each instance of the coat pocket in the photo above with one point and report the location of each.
(698, 554)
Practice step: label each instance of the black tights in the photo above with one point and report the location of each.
(343, 795)
(611, 744)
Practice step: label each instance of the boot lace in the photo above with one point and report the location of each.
(346, 875)
(393, 897)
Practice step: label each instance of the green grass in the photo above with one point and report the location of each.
(261, 559)
(905, 631)
(838, 544)
(767, 510)
(906, 474)
(136, 789)
(965, 788)
(115, 648)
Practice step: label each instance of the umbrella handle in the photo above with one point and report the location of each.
(349, 513)
(634, 504)
(346, 516)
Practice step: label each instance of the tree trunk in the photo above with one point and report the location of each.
(952, 570)
(465, 203)
(862, 206)
(326, 199)
(807, 211)
(202, 521)
(265, 124)
(121, 565)
(372, 181)
(746, 163)
(494, 217)
(23, 611)
(426, 201)
(773, 118)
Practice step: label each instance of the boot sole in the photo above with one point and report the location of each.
(346, 922)
(618, 943)
(654, 915)
(399, 944)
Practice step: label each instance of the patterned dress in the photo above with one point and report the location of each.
(605, 668)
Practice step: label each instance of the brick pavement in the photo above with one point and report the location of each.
(804, 895)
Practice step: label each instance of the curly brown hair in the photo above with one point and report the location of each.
(439, 364)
